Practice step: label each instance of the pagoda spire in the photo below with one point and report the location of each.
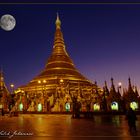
(112, 89)
(130, 89)
(1, 79)
(112, 84)
(58, 22)
(129, 83)
(59, 45)
(106, 91)
(119, 91)
(95, 82)
(136, 91)
(105, 84)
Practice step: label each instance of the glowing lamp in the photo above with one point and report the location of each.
(134, 105)
(96, 107)
(114, 106)
(39, 108)
(20, 107)
(12, 85)
(61, 80)
(67, 106)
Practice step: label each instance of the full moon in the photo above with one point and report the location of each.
(7, 22)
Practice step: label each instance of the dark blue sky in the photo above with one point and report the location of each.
(102, 39)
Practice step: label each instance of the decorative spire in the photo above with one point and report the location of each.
(130, 89)
(106, 88)
(105, 84)
(119, 94)
(1, 79)
(136, 91)
(58, 22)
(112, 81)
(112, 85)
(129, 81)
(1, 75)
(59, 45)
(106, 91)
(95, 83)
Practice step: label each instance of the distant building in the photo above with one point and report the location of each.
(113, 99)
(131, 97)
(4, 94)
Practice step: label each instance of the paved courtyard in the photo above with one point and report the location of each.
(63, 127)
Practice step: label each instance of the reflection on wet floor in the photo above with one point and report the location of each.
(113, 120)
(64, 127)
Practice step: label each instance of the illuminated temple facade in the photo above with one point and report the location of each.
(4, 94)
(56, 87)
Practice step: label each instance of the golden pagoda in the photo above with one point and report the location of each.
(60, 76)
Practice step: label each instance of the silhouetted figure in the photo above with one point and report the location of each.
(131, 118)
(88, 113)
(77, 110)
(2, 112)
(74, 102)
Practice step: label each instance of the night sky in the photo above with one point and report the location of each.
(103, 41)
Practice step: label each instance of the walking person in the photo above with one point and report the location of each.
(131, 118)
(74, 103)
(77, 109)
